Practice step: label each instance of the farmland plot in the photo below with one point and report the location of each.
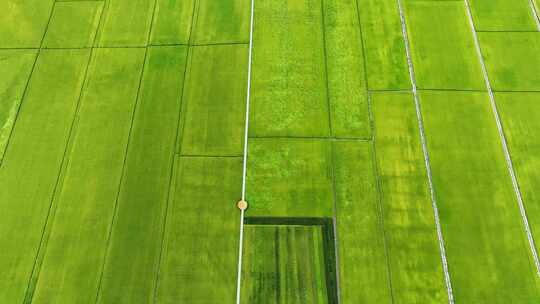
(515, 68)
(443, 58)
(384, 47)
(126, 23)
(476, 200)
(224, 21)
(520, 114)
(289, 82)
(73, 24)
(85, 200)
(32, 163)
(289, 177)
(23, 23)
(347, 92)
(172, 22)
(285, 264)
(363, 266)
(502, 15)
(413, 251)
(16, 66)
(199, 259)
(214, 113)
(145, 184)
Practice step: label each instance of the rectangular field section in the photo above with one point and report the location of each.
(485, 238)
(288, 263)
(520, 114)
(289, 82)
(443, 52)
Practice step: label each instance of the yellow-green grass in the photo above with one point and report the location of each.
(283, 264)
(363, 267)
(126, 23)
(16, 66)
(345, 70)
(503, 15)
(512, 60)
(214, 101)
(386, 62)
(289, 95)
(224, 21)
(73, 24)
(413, 249)
(520, 115)
(289, 177)
(172, 21)
(200, 253)
(85, 201)
(443, 50)
(23, 23)
(32, 163)
(145, 184)
(485, 239)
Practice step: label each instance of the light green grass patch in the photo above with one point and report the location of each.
(512, 60)
(345, 66)
(363, 267)
(483, 230)
(125, 23)
(223, 21)
(23, 23)
(289, 177)
(145, 185)
(289, 95)
(415, 260)
(384, 47)
(172, 21)
(32, 163)
(503, 15)
(85, 201)
(443, 52)
(200, 254)
(215, 101)
(16, 66)
(520, 115)
(73, 24)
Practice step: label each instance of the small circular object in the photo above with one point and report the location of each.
(242, 205)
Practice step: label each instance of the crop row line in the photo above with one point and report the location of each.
(503, 140)
(426, 154)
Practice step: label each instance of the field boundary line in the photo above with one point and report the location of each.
(423, 140)
(535, 12)
(373, 156)
(244, 160)
(502, 136)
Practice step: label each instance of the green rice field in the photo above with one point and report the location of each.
(388, 151)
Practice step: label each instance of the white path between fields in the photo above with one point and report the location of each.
(503, 141)
(244, 161)
(535, 10)
(426, 155)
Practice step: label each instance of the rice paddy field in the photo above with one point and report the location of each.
(389, 151)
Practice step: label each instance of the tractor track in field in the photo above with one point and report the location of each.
(509, 163)
(440, 237)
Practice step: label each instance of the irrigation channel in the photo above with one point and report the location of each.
(244, 161)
